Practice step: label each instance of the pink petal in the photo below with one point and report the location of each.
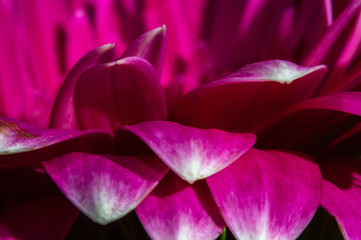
(190, 152)
(341, 195)
(149, 46)
(105, 187)
(17, 137)
(63, 115)
(267, 194)
(248, 98)
(119, 93)
(177, 210)
(45, 218)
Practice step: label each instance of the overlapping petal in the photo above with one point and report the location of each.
(178, 210)
(123, 92)
(63, 115)
(245, 100)
(105, 187)
(190, 152)
(267, 194)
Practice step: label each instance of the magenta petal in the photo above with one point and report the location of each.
(190, 152)
(17, 137)
(267, 194)
(149, 46)
(341, 195)
(177, 210)
(63, 115)
(119, 93)
(105, 187)
(248, 98)
(46, 218)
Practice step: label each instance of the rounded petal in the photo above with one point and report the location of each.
(267, 194)
(177, 210)
(119, 93)
(105, 187)
(190, 152)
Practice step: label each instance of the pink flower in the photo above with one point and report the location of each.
(175, 144)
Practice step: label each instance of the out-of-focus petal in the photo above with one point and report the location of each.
(45, 218)
(63, 115)
(80, 37)
(17, 137)
(267, 194)
(183, 19)
(338, 48)
(190, 152)
(177, 210)
(322, 48)
(105, 187)
(248, 98)
(149, 46)
(341, 194)
(119, 93)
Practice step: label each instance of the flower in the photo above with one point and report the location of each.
(185, 123)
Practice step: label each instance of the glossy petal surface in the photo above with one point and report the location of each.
(190, 152)
(178, 210)
(105, 187)
(119, 93)
(248, 98)
(267, 194)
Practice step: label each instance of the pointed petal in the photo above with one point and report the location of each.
(190, 152)
(45, 218)
(267, 194)
(247, 99)
(119, 93)
(63, 115)
(17, 137)
(177, 210)
(341, 195)
(149, 46)
(105, 187)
